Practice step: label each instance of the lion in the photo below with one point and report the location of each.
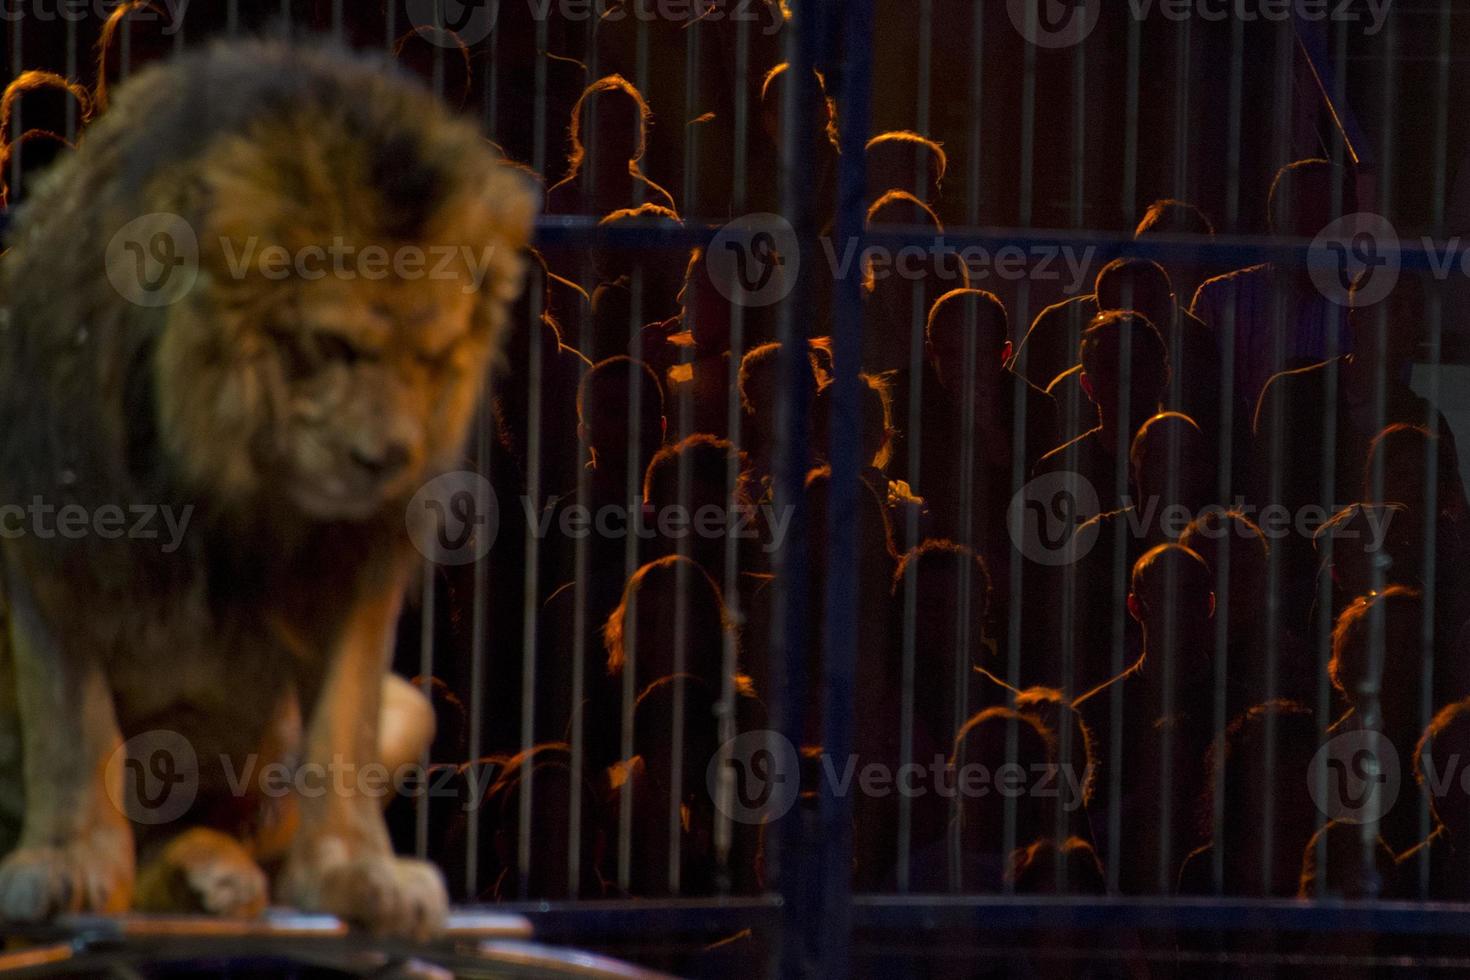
(264, 293)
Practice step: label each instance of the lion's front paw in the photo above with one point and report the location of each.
(203, 870)
(389, 896)
(39, 882)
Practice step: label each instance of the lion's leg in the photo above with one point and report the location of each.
(341, 860)
(202, 870)
(76, 847)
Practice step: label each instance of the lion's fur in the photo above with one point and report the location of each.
(202, 403)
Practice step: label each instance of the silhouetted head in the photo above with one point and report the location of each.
(875, 420)
(951, 588)
(956, 315)
(1178, 218)
(609, 419)
(612, 116)
(1037, 868)
(1170, 217)
(1249, 778)
(1170, 446)
(1359, 665)
(676, 722)
(545, 771)
(981, 745)
(671, 620)
(1445, 748)
(691, 482)
(874, 536)
(905, 160)
(1057, 715)
(1301, 201)
(1112, 337)
(1139, 285)
(1210, 535)
(1406, 452)
(821, 110)
(660, 282)
(1171, 576)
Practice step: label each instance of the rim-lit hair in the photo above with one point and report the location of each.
(941, 159)
(605, 84)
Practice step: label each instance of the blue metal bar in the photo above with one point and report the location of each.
(839, 655)
(798, 855)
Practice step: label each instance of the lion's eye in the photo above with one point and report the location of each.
(334, 347)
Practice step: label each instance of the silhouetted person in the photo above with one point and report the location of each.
(1050, 344)
(677, 731)
(1269, 306)
(975, 821)
(989, 391)
(1397, 474)
(1237, 552)
(875, 450)
(694, 495)
(816, 127)
(547, 768)
(1099, 455)
(1149, 767)
(1257, 858)
(607, 138)
(1438, 868)
(1172, 470)
(760, 401)
(1377, 660)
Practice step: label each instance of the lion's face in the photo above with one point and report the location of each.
(375, 389)
(335, 397)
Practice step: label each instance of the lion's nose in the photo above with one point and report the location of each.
(382, 461)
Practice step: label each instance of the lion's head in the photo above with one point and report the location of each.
(355, 259)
